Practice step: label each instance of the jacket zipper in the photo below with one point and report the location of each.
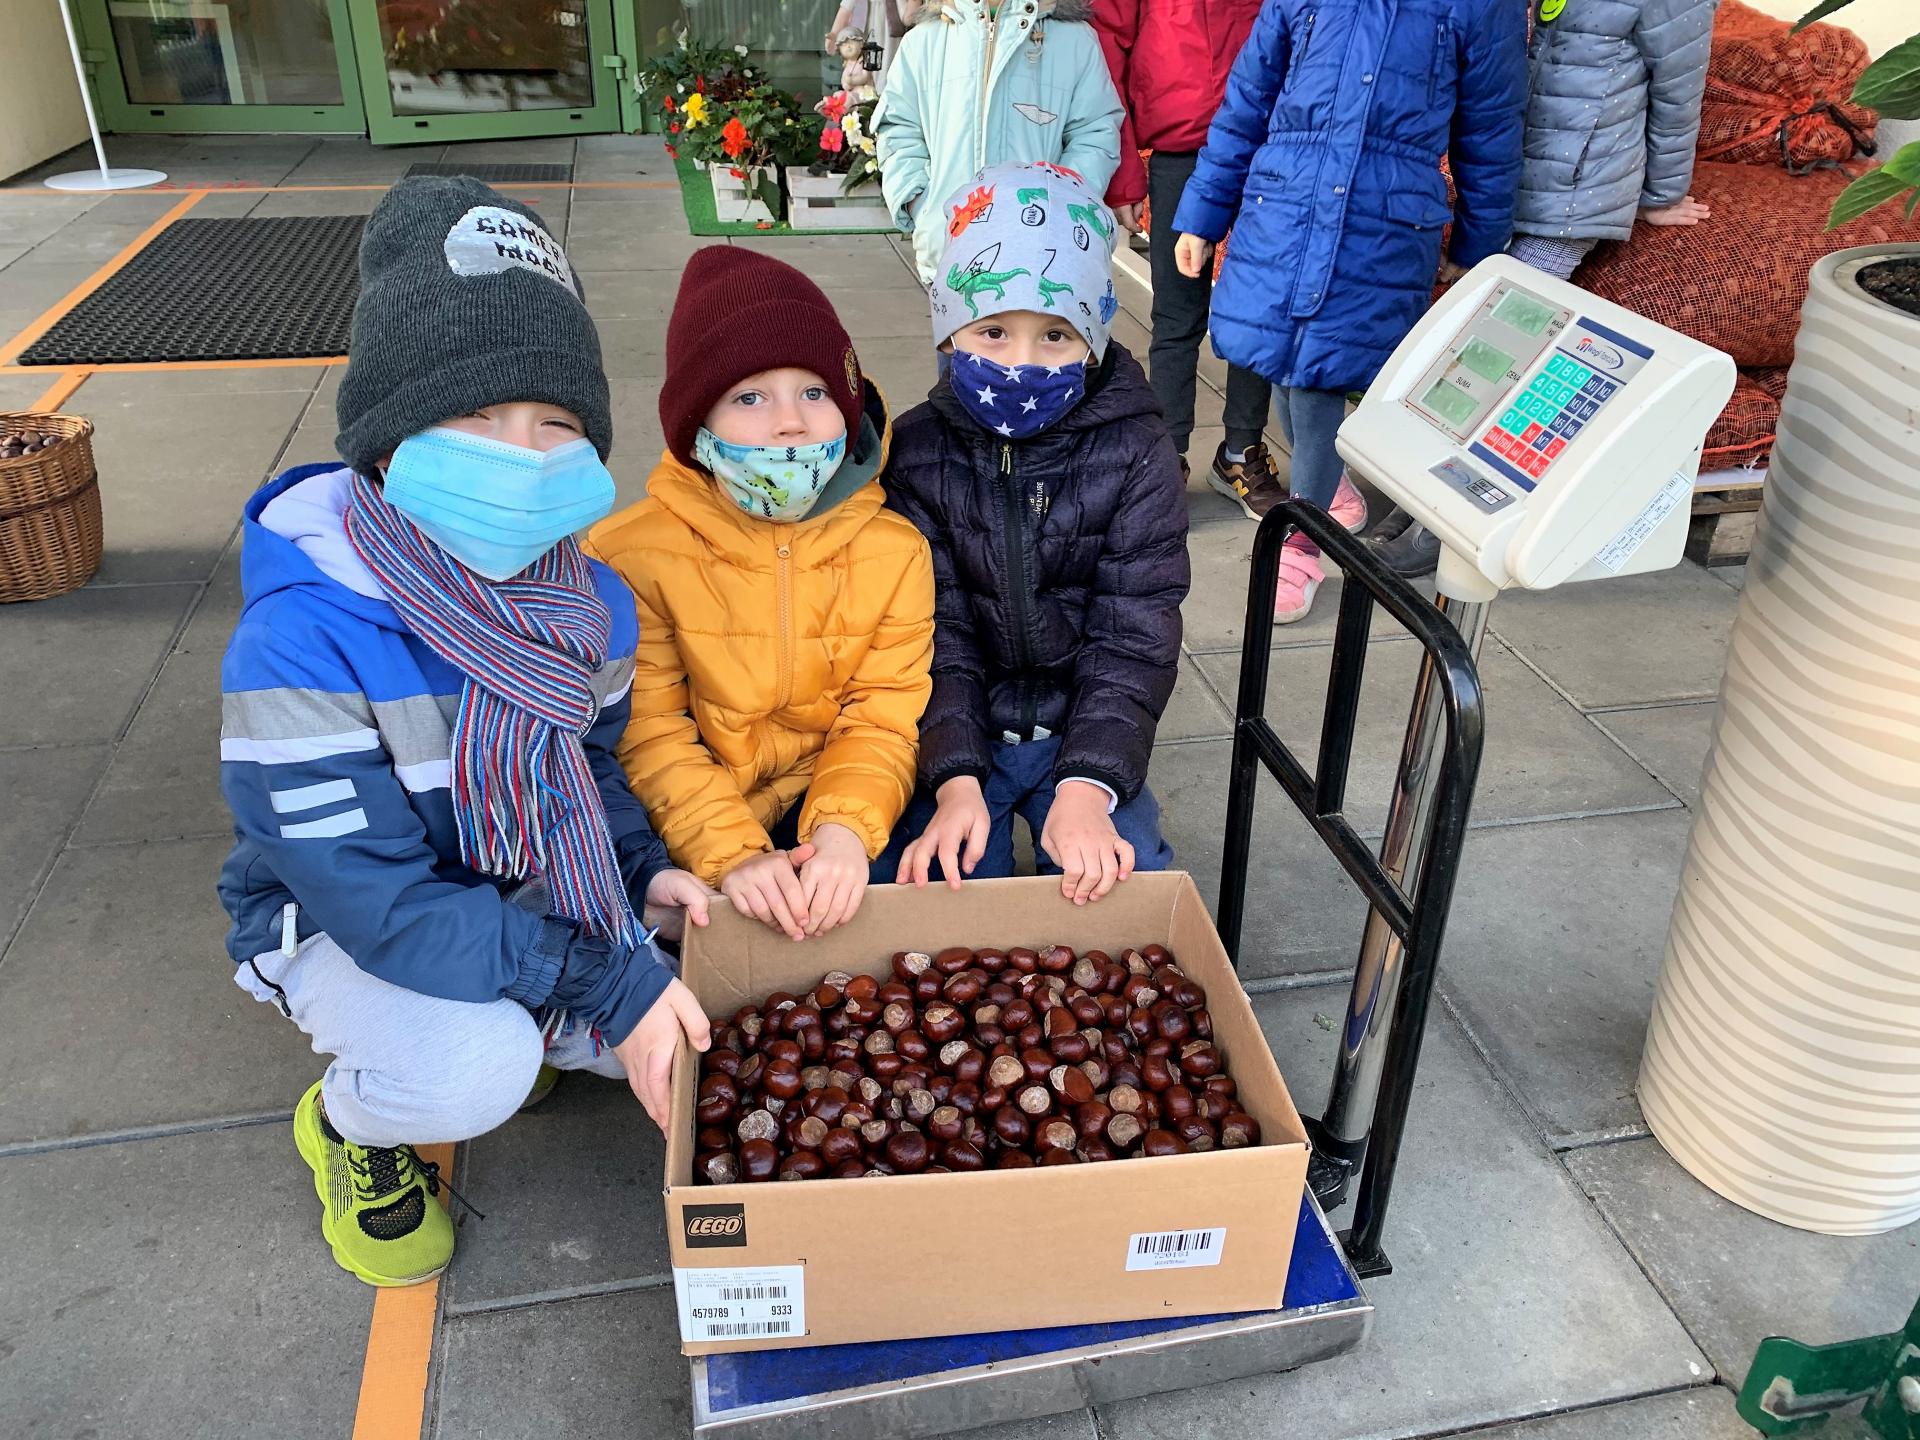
(986, 86)
(1017, 570)
(1442, 44)
(1300, 55)
(783, 586)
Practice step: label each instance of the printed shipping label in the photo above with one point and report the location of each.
(1175, 1249)
(746, 1303)
(1621, 548)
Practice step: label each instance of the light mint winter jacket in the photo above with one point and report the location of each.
(967, 91)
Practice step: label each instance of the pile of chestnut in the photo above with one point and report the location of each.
(26, 442)
(968, 1060)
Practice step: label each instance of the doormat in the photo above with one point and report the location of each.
(696, 199)
(219, 290)
(554, 174)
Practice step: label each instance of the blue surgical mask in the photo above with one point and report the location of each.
(1016, 402)
(772, 482)
(495, 507)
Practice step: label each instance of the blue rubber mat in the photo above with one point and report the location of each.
(1317, 1276)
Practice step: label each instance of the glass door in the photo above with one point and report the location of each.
(486, 69)
(222, 65)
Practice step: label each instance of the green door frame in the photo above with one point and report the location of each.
(120, 113)
(386, 128)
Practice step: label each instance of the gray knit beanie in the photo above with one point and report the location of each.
(465, 301)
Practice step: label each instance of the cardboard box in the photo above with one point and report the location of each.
(828, 1262)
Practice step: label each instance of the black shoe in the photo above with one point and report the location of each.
(1390, 525)
(1415, 551)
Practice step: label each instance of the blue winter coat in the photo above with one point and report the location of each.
(335, 759)
(1325, 163)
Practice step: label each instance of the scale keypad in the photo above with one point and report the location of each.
(1539, 421)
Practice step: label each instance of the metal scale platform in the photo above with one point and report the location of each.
(933, 1387)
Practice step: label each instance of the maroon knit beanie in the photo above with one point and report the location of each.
(740, 312)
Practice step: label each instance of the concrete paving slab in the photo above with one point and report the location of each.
(1734, 575)
(1303, 914)
(10, 252)
(1542, 760)
(101, 232)
(1622, 642)
(538, 150)
(571, 1193)
(623, 159)
(46, 790)
(616, 295)
(191, 160)
(20, 392)
(1215, 611)
(29, 219)
(903, 369)
(164, 781)
(82, 661)
(1670, 740)
(28, 290)
(118, 1007)
(355, 160)
(604, 238)
(1704, 1412)
(865, 268)
(174, 476)
(317, 202)
(605, 1366)
(1478, 1323)
(1735, 1278)
(158, 1310)
(151, 387)
(1194, 712)
(1579, 909)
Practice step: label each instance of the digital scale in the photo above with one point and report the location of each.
(1544, 435)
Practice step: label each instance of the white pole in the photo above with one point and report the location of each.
(107, 179)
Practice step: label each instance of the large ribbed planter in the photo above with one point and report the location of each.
(1783, 1060)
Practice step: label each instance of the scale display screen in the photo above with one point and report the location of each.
(1451, 404)
(1524, 313)
(1473, 377)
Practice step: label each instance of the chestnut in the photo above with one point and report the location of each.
(944, 1124)
(1202, 1020)
(885, 1067)
(1156, 955)
(1022, 959)
(802, 1165)
(908, 1151)
(840, 1146)
(1088, 1011)
(897, 1017)
(1091, 1118)
(880, 1042)
(719, 1097)
(1031, 1037)
(1170, 1021)
(756, 1125)
(1140, 1025)
(1136, 963)
(862, 988)
(876, 1133)
(1034, 1100)
(909, 965)
(1199, 1059)
(1056, 1135)
(927, 987)
(941, 1088)
(1198, 1133)
(809, 1132)
(851, 1170)
(953, 960)
(964, 988)
(815, 1077)
(1071, 1048)
(960, 1155)
(1011, 1129)
(1016, 1015)
(1163, 1142)
(724, 1062)
(1139, 992)
(861, 1012)
(1060, 1021)
(1014, 1160)
(913, 1046)
(1059, 1157)
(964, 1097)
(1156, 1072)
(891, 993)
(989, 1035)
(1070, 1085)
(783, 1049)
(1124, 1131)
(1239, 1129)
(1177, 1103)
(941, 1022)
(1094, 1150)
(868, 1090)
(1039, 1063)
(1057, 960)
(714, 1137)
(1095, 1069)
(994, 1097)
(782, 1080)
(1087, 972)
(758, 1161)
(1125, 1100)
(1006, 1071)
(717, 1167)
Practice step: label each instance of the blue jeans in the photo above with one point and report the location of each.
(1311, 419)
(1021, 783)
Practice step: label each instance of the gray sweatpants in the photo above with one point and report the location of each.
(412, 1069)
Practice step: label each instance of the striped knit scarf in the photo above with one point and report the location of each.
(523, 794)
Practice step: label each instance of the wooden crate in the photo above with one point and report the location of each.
(731, 200)
(1724, 517)
(817, 203)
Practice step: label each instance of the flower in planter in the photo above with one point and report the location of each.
(674, 129)
(672, 153)
(736, 172)
(832, 139)
(669, 105)
(696, 109)
(740, 50)
(734, 139)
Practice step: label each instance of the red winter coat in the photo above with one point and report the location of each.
(1170, 60)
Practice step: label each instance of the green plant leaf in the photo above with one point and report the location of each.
(1819, 12)
(1891, 84)
(1871, 190)
(1913, 203)
(1905, 163)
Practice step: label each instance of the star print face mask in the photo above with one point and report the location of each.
(1016, 402)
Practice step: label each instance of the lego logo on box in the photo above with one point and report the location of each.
(712, 1226)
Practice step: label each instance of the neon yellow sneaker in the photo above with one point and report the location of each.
(543, 1082)
(378, 1210)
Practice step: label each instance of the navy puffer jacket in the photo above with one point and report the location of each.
(1325, 163)
(1059, 565)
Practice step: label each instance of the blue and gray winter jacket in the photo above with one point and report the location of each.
(1324, 161)
(336, 760)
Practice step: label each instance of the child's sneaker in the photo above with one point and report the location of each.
(1252, 483)
(1349, 507)
(378, 1210)
(1300, 577)
(544, 1080)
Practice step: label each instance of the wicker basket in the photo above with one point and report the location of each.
(49, 510)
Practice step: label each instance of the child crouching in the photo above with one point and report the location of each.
(1043, 477)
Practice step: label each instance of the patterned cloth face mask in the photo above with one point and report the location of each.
(1016, 402)
(771, 482)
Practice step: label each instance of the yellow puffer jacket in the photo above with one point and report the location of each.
(775, 661)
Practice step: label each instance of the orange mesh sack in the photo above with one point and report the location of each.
(1743, 435)
(1762, 77)
(1737, 281)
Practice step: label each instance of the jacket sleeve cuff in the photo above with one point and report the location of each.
(1113, 796)
(540, 964)
(1471, 245)
(1121, 787)
(646, 980)
(952, 769)
(1198, 215)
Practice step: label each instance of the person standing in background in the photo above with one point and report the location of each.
(1170, 63)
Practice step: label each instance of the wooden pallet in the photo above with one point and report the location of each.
(1723, 523)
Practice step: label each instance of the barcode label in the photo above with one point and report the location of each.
(738, 1303)
(1175, 1249)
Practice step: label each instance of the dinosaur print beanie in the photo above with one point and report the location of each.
(1027, 237)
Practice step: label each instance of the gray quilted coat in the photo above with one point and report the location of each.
(1613, 114)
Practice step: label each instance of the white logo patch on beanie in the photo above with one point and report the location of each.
(489, 241)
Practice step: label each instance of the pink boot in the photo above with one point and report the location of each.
(1300, 577)
(1349, 507)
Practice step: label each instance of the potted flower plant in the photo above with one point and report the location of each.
(840, 189)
